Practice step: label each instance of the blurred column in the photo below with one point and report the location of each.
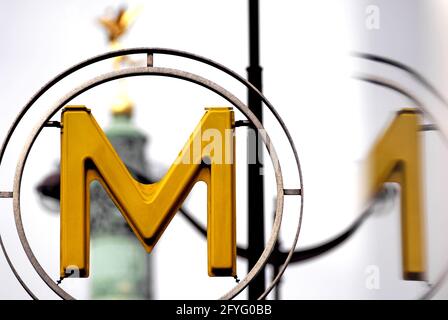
(120, 265)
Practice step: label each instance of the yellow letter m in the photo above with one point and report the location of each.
(87, 155)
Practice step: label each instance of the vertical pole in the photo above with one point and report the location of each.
(275, 270)
(255, 170)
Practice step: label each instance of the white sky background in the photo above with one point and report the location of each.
(333, 121)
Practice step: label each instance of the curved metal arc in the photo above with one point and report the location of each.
(400, 65)
(278, 256)
(16, 274)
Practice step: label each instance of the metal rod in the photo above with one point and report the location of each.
(6, 194)
(243, 123)
(150, 60)
(428, 127)
(292, 192)
(256, 235)
(53, 124)
(275, 271)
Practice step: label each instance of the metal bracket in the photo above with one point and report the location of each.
(428, 127)
(6, 194)
(53, 124)
(292, 192)
(149, 60)
(243, 123)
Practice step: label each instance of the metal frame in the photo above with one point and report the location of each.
(149, 70)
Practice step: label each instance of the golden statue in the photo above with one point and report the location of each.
(119, 24)
(116, 25)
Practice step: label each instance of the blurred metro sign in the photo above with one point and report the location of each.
(209, 156)
(87, 155)
(395, 157)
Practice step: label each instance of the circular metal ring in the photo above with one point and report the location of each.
(178, 53)
(156, 72)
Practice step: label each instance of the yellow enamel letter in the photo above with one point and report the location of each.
(396, 158)
(86, 155)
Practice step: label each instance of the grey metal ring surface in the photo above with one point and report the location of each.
(183, 54)
(156, 72)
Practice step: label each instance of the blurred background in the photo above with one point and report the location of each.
(334, 119)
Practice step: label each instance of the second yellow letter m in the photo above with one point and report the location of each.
(87, 155)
